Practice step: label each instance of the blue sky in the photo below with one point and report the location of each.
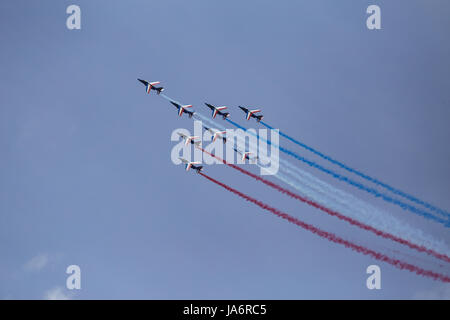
(86, 175)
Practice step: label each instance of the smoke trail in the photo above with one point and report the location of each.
(168, 98)
(341, 201)
(334, 238)
(364, 176)
(319, 185)
(369, 216)
(360, 186)
(353, 207)
(332, 212)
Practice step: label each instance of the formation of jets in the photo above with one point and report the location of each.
(249, 113)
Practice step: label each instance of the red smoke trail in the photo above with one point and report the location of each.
(333, 238)
(335, 213)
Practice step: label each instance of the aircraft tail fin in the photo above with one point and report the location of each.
(259, 118)
(159, 89)
(225, 115)
(199, 169)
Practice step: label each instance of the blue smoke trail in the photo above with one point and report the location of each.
(364, 176)
(358, 185)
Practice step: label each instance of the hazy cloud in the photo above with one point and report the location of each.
(37, 263)
(56, 293)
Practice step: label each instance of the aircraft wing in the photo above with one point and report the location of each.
(175, 104)
(144, 82)
(183, 160)
(210, 106)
